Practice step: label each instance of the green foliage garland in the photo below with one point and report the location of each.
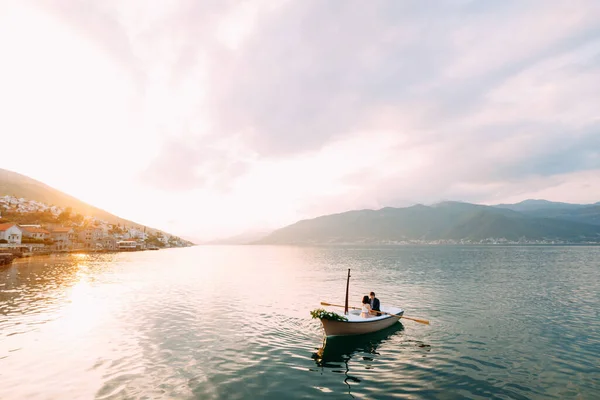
(322, 314)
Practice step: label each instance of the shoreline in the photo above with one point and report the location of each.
(47, 254)
(367, 244)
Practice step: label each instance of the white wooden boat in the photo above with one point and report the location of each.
(357, 325)
(354, 324)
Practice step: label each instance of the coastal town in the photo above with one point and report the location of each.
(30, 227)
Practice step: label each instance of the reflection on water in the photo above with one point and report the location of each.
(340, 349)
(337, 352)
(233, 322)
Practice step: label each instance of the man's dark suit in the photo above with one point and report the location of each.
(375, 305)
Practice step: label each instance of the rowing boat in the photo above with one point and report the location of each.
(351, 323)
(357, 325)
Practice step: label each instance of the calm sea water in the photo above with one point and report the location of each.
(233, 322)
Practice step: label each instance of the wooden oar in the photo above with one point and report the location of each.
(419, 320)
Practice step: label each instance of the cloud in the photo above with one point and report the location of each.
(185, 164)
(314, 70)
(98, 23)
(305, 73)
(326, 106)
(171, 169)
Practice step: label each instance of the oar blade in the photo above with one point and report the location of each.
(421, 321)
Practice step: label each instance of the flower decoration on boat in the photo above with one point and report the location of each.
(322, 314)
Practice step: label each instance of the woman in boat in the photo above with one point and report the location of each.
(366, 307)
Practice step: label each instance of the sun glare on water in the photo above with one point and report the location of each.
(84, 310)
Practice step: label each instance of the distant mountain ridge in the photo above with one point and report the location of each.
(528, 221)
(242, 238)
(18, 185)
(584, 213)
(539, 204)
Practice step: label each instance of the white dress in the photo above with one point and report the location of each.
(364, 311)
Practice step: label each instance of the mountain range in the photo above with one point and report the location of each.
(527, 221)
(18, 185)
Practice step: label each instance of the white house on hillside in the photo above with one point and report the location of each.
(35, 232)
(135, 233)
(63, 238)
(11, 233)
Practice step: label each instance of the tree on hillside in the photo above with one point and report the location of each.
(29, 218)
(154, 240)
(77, 219)
(116, 230)
(46, 216)
(64, 216)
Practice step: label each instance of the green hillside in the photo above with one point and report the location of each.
(15, 184)
(538, 204)
(444, 221)
(585, 213)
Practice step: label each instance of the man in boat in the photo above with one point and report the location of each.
(375, 303)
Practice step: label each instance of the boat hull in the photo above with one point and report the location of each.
(347, 328)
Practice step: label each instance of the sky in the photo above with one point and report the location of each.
(211, 118)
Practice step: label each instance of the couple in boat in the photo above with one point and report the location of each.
(370, 306)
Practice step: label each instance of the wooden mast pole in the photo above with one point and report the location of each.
(347, 286)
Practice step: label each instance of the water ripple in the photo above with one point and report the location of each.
(233, 322)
